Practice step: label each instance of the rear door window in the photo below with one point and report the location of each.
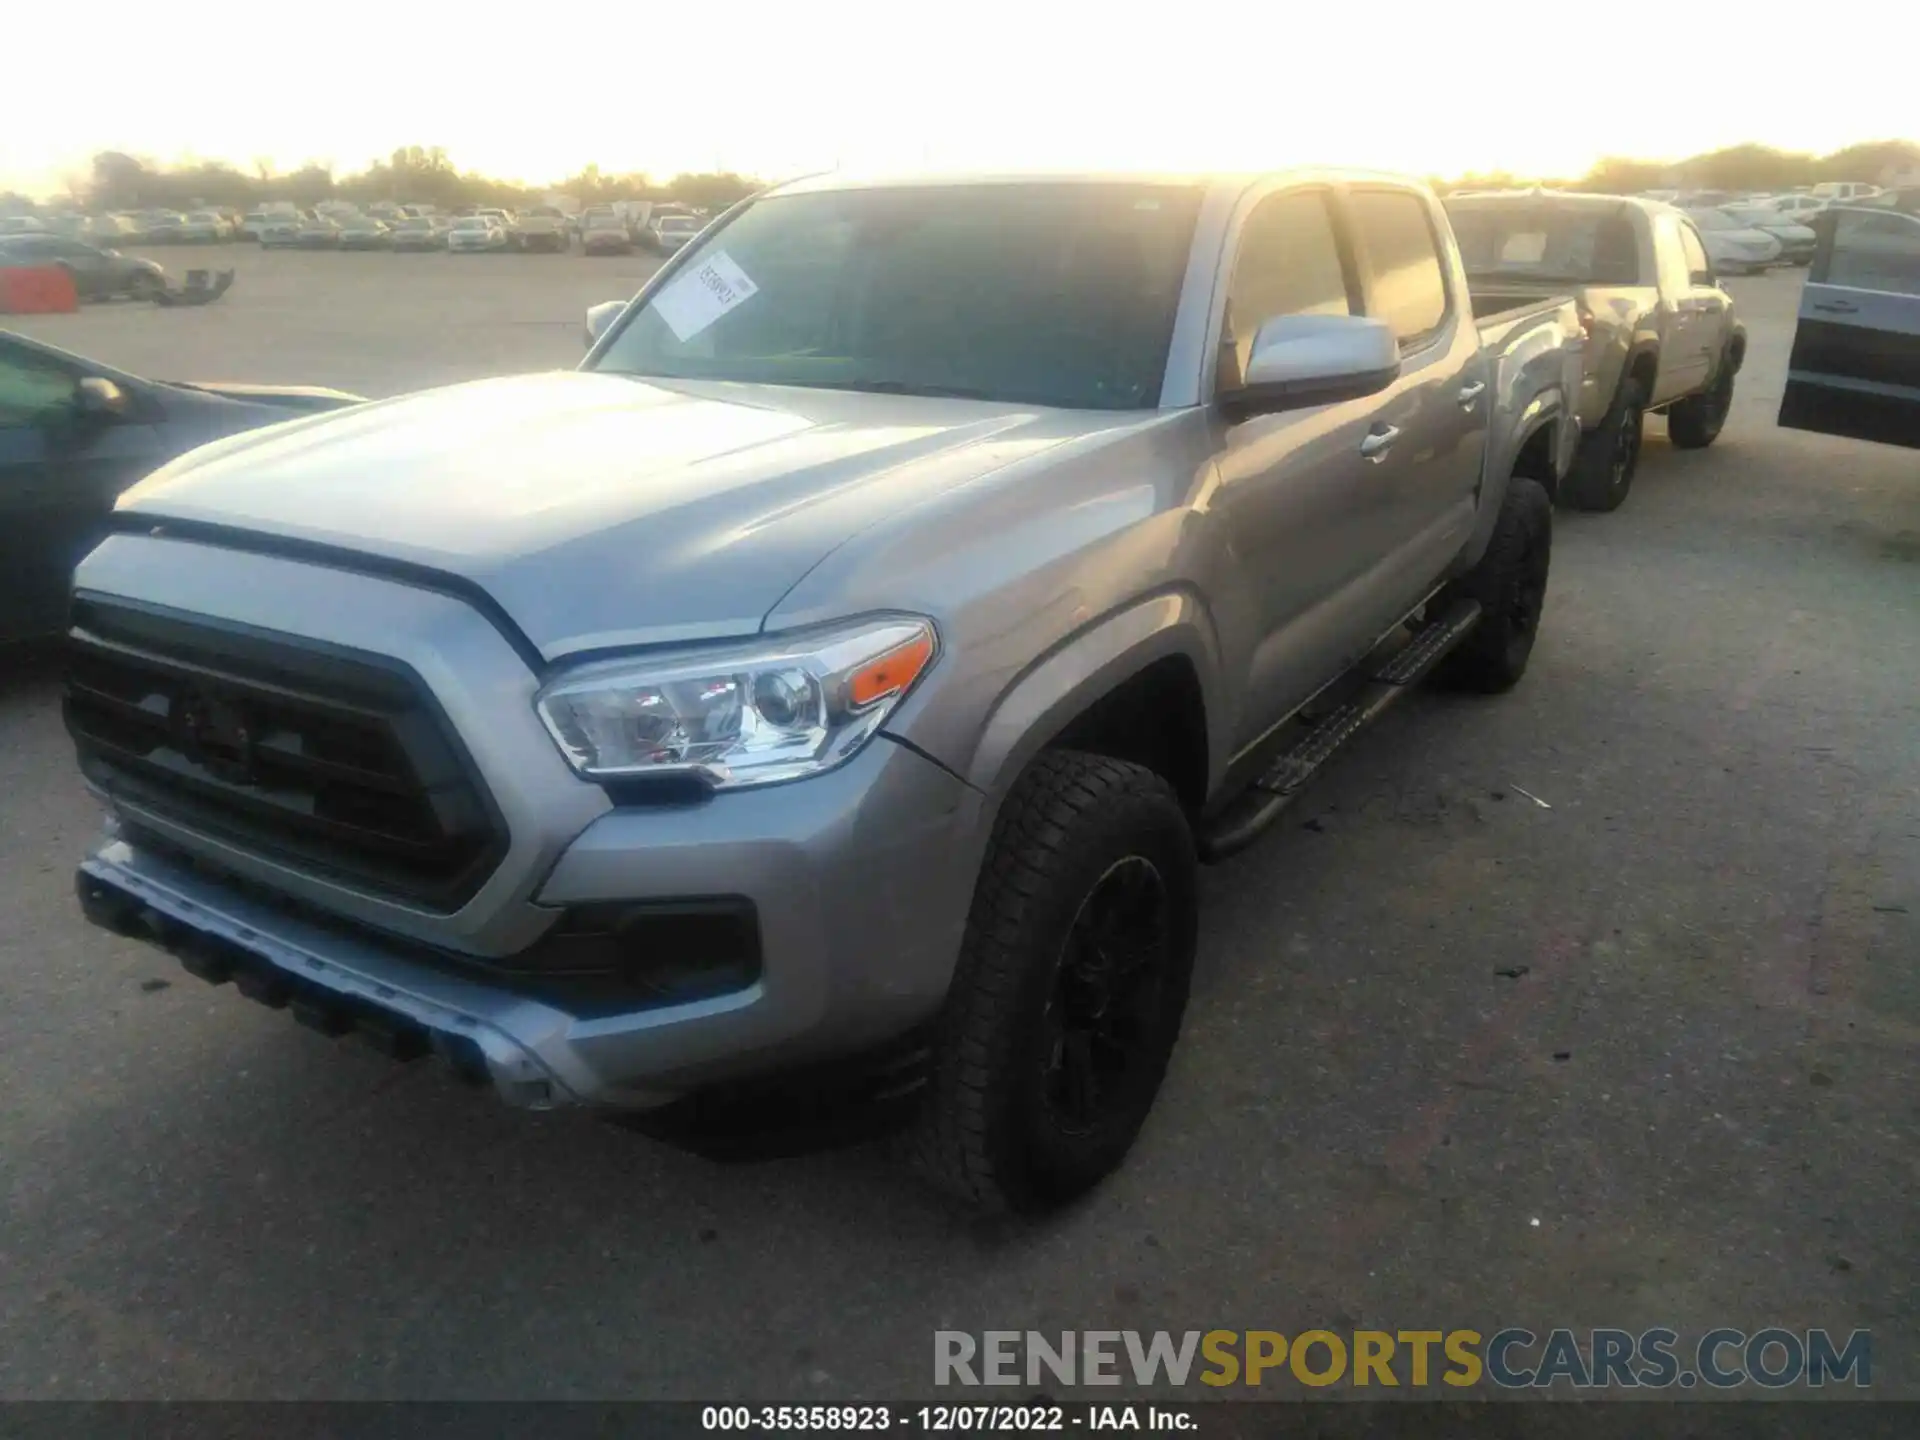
(1407, 284)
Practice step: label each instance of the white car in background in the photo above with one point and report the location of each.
(1798, 207)
(473, 233)
(1797, 238)
(1734, 247)
(670, 232)
(1845, 190)
(204, 227)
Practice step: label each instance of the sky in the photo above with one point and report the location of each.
(531, 92)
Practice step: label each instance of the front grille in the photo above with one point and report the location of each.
(329, 761)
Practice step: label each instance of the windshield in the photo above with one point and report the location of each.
(473, 222)
(1714, 220)
(1027, 293)
(679, 224)
(1578, 244)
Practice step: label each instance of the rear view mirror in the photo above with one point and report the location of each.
(600, 316)
(1302, 360)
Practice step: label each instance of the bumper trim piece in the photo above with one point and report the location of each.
(402, 1020)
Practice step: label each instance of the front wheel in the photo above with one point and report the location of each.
(1696, 422)
(1609, 455)
(145, 286)
(1070, 987)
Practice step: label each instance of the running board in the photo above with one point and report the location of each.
(1248, 816)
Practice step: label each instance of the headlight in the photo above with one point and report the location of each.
(774, 709)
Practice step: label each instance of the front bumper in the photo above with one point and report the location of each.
(859, 880)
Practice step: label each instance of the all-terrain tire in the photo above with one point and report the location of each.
(1609, 455)
(1510, 582)
(1696, 422)
(998, 1127)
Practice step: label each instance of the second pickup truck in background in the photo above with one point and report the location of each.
(1661, 332)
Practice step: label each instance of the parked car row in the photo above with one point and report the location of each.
(381, 225)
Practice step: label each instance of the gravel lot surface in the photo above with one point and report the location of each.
(1454, 1059)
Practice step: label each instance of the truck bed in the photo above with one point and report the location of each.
(1499, 307)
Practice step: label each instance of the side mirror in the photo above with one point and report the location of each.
(1303, 360)
(97, 398)
(600, 316)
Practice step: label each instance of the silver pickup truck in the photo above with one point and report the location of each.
(1661, 332)
(832, 686)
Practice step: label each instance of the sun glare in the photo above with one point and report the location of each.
(779, 90)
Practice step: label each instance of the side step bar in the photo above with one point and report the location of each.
(1243, 821)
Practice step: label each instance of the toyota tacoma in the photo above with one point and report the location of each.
(842, 672)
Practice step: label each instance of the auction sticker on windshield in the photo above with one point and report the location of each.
(700, 296)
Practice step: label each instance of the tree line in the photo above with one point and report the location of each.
(1739, 167)
(413, 174)
(417, 174)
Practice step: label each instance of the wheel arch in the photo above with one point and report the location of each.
(1643, 364)
(1142, 684)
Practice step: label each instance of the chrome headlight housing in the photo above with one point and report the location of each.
(777, 708)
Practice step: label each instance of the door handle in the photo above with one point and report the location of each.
(1471, 393)
(1376, 445)
(1837, 307)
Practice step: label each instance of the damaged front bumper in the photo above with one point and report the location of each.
(332, 983)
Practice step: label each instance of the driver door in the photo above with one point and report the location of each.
(1855, 367)
(35, 397)
(60, 472)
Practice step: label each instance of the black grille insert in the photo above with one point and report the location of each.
(327, 760)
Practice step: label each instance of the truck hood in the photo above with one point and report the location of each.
(602, 511)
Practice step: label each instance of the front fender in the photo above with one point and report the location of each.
(1090, 664)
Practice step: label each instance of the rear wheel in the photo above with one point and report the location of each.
(1510, 582)
(1609, 456)
(1696, 421)
(1070, 988)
